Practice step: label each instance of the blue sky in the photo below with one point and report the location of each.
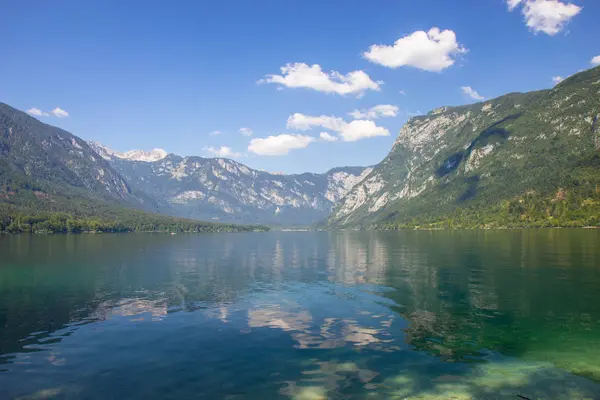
(144, 74)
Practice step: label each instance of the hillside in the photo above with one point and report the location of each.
(60, 159)
(523, 159)
(53, 181)
(225, 190)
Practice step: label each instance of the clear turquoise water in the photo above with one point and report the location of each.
(304, 315)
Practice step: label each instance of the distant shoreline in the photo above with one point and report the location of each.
(41, 233)
(116, 233)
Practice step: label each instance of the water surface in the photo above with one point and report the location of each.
(304, 315)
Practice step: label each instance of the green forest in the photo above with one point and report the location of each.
(125, 220)
(569, 199)
(568, 208)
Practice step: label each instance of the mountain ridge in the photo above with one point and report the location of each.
(482, 159)
(226, 190)
(52, 181)
(36, 150)
(139, 155)
(106, 153)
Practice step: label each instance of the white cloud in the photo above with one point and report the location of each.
(279, 145)
(306, 122)
(402, 92)
(37, 112)
(301, 75)
(327, 137)
(595, 60)
(362, 129)
(57, 112)
(547, 16)
(60, 113)
(349, 132)
(380, 111)
(215, 133)
(557, 79)
(246, 131)
(430, 51)
(222, 151)
(472, 93)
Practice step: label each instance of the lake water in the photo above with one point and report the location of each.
(303, 315)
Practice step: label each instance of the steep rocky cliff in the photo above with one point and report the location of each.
(477, 155)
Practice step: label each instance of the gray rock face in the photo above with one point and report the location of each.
(225, 190)
(479, 154)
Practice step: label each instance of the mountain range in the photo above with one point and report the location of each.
(522, 159)
(53, 181)
(225, 190)
(46, 168)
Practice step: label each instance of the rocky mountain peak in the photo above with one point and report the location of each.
(141, 155)
(131, 155)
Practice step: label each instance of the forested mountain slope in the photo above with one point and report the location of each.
(51, 180)
(54, 156)
(523, 159)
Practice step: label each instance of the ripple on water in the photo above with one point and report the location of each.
(408, 315)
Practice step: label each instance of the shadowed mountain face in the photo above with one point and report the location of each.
(523, 158)
(50, 161)
(225, 190)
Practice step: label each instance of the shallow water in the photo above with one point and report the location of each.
(304, 315)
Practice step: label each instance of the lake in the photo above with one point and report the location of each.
(302, 315)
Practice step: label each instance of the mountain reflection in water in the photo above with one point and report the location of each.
(307, 315)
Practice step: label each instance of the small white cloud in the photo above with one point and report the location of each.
(595, 60)
(60, 113)
(362, 129)
(301, 75)
(57, 112)
(306, 122)
(380, 111)
(557, 79)
(349, 132)
(430, 51)
(547, 16)
(402, 92)
(472, 93)
(215, 133)
(327, 137)
(223, 151)
(279, 145)
(37, 112)
(246, 131)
